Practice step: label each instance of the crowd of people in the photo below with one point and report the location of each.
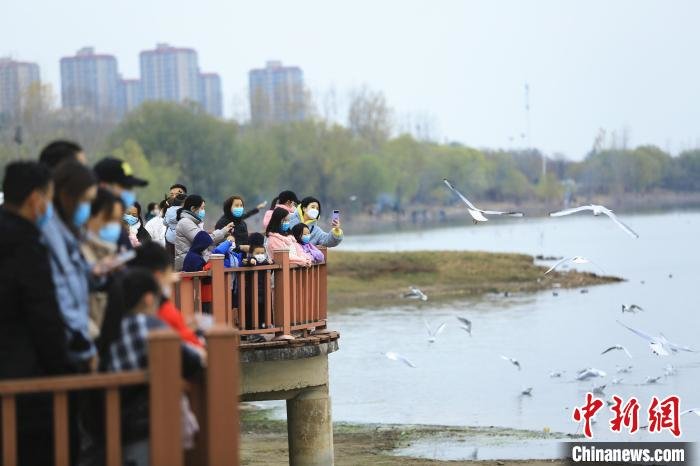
(85, 274)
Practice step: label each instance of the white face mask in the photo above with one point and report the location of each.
(312, 213)
(260, 257)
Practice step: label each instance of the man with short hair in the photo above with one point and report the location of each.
(176, 189)
(32, 333)
(59, 151)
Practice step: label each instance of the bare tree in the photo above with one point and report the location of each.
(369, 116)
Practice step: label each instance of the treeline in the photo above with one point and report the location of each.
(355, 165)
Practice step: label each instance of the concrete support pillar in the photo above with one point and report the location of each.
(309, 428)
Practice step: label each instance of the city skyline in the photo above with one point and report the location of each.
(91, 83)
(589, 65)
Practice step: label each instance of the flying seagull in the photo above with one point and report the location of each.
(432, 334)
(477, 214)
(631, 308)
(597, 210)
(575, 260)
(526, 391)
(695, 411)
(415, 293)
(670, 370)
(556, 374)
(467, 327)
(652, 380)
(659, 345)
(618, 347)
(513, 361)
(397, 357)
(589, 373)
(617, 381)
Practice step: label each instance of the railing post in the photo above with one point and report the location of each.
(222, 389)
(165, 392)
(323, 286)
(219, 288)
(9, 431)
(282, 292)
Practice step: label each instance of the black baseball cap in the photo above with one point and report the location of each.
(111, 170)
(286, 196)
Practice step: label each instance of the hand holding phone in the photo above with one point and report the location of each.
(108, 264)
(335, 219)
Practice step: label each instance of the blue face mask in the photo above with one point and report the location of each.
(81, 214)
(237, 211)
(128, 198)
(130, 219)
(284, 226)
(201, 214)
(46, 216)
(110, 232)
(305, 238)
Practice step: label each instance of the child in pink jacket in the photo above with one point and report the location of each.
(278, 237)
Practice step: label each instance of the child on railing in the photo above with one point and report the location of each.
(124, 347)
(301, 233)
(257, 256)
(195, 262)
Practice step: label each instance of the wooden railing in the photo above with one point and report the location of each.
(213, 400)
(273, 299)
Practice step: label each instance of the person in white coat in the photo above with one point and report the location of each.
(155, 226)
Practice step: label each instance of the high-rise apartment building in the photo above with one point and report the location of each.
(170, 73)
(130, 95)
(276, 94)
(210, 93)
(90, 83)
(15, 80)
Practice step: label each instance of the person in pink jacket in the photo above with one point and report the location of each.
(278, 237)
(286, 200)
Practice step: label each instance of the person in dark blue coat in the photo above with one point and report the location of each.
(32, 333)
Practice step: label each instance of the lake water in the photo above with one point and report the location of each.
(462, 381)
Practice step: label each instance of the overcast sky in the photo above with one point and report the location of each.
(620, 65)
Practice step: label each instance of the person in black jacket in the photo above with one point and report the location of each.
(32, 333)
(234, 212)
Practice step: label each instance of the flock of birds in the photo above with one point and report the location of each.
(659, 344)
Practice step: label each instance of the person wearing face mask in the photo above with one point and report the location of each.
(257, 257)
(99, 246)
(134, 222)
(285, 200)
(75, 187)
(234, 212)
(308, 212)
(155, 226)
(279, 237)
(301, 233)
(32, 334)
(118, 176)
(190, 220)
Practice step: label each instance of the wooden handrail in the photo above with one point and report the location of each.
(219, 444)
(73, 382)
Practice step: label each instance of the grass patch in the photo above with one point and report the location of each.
(376, 278)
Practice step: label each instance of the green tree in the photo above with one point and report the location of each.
(157, 169)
